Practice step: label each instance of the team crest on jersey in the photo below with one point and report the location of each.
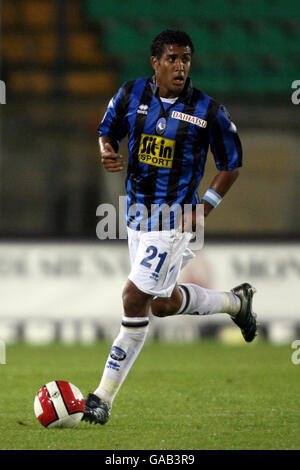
(188, 118)
(161, 126)
(157, 151)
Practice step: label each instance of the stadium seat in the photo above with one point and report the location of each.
(208, 10)
(29, 48)
(9, 15)
(89, 46)
(99, 11)
(270, 40)
(204, 40)
(235, 40)
(256, 9)
(283, 10)
(123, 39)
(244, 41)
(42, 58)
(43, 15)
(26, 82)
(87, 83)
(140, 69)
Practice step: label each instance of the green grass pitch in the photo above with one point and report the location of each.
(204, 395)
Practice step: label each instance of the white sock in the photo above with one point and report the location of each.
(197, 300)
(123, 353)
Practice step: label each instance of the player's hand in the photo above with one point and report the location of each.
(111, 160)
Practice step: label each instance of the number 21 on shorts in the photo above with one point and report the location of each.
(149, 261)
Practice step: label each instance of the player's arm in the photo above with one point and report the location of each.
(226, 147)
(112, 129)
(219, 186)
(112, 161)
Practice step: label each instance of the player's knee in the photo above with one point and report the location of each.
(134, 301)
(162, 308)
(129, 305)
(158, 312)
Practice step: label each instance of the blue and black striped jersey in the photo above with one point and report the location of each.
(168, 147)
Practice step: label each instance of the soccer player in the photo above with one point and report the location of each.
(170, 126)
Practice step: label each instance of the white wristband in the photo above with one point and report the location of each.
(212, 197)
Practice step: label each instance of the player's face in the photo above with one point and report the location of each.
(172, 69)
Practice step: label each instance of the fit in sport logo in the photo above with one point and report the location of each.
(157, 151)
(2, 92)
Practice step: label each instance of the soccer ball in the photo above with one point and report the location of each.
(59, 404)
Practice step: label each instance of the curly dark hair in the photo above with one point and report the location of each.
(169, 36)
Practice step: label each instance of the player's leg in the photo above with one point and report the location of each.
(191, 299)
(123, 353)
(166, 306)
(135, 302)
(156, 260)
(128, 343)
(125, 347)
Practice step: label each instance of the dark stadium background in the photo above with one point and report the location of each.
(63, 60)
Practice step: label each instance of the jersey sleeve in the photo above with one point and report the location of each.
(114, 123)
(224, 141)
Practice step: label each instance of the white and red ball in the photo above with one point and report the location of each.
(59, 404)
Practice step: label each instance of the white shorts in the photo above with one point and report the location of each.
(157, 258)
